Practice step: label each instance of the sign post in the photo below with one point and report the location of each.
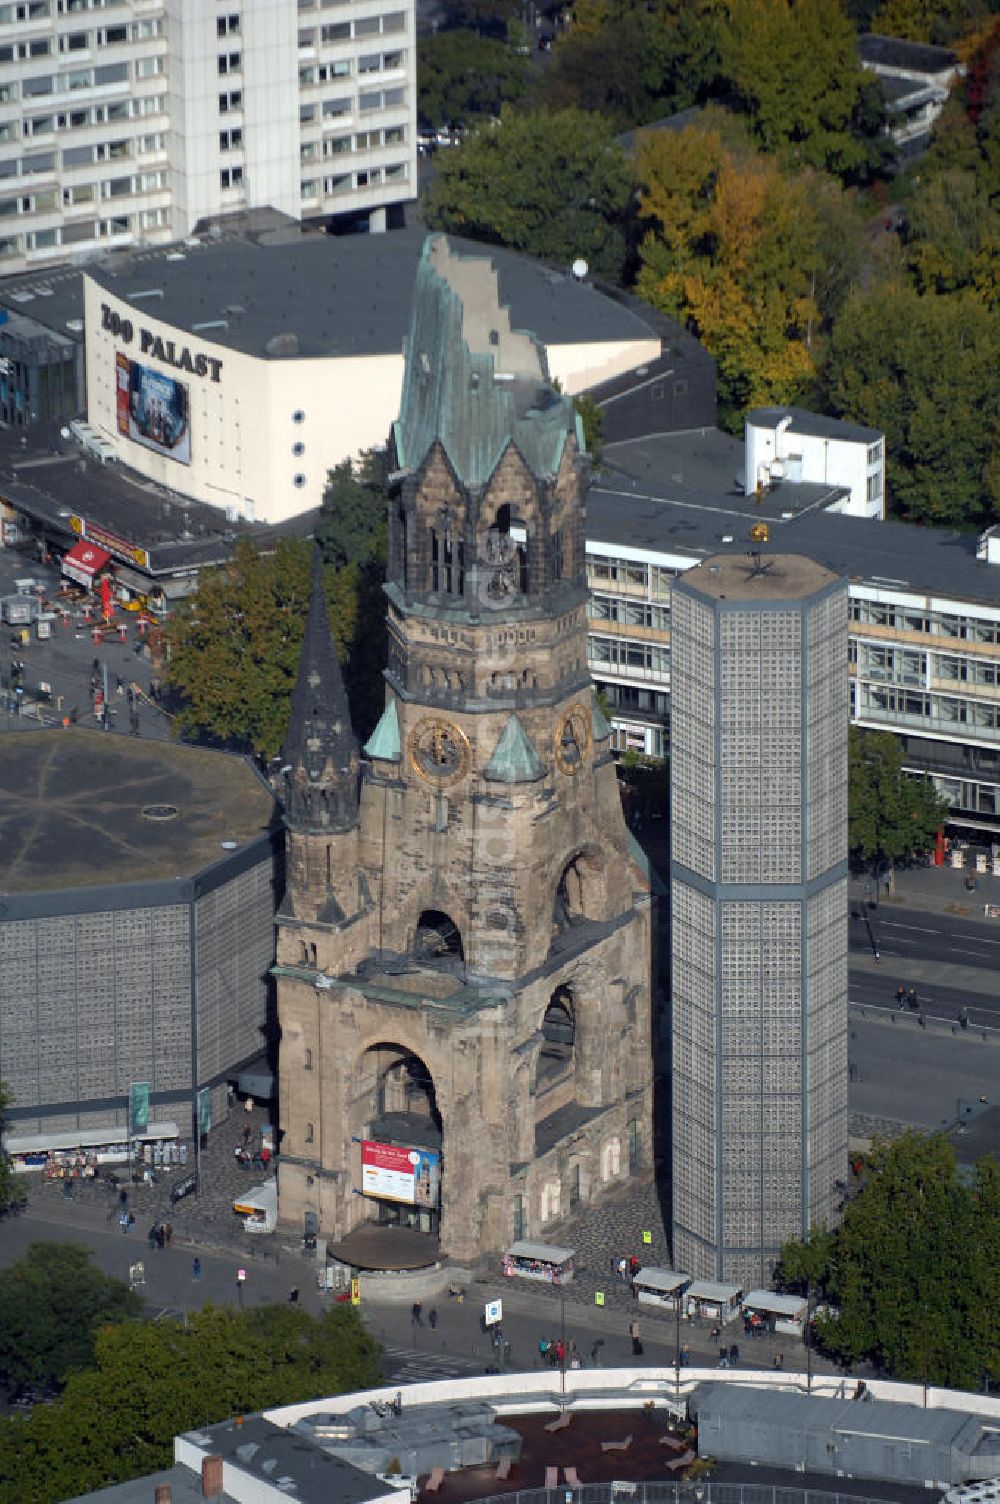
(493, 1312)
(241, 1277)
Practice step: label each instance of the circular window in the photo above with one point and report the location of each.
(298, 416)
(300, 481)
(299, 448)
(159, 812)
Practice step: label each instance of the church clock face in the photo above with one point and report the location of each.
(439, 751)
(572, 740)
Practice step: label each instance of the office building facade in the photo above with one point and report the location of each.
(758, 877)
(132, 121)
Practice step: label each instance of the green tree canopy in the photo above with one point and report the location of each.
(891, 813)
(52, 1303)
(351, 527)
(553, 185)
(233, 647)
(463, 76)
(792, 68)
(913, 1271)
(753, 260)
(926, 371)
(636, 64)
(151, 1381)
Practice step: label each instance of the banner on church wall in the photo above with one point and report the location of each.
(400, 1174)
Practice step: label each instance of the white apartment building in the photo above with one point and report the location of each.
(129, 121)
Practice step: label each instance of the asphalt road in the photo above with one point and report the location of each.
(921, 935)
(919, 1076)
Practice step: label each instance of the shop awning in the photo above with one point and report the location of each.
(84, 561)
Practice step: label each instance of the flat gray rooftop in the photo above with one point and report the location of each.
(778, 577)
(334, 295)
(678, 495)
(80, 807)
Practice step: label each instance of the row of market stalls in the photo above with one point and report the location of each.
(80, 1154)
(708, 1300)
(670, 1290)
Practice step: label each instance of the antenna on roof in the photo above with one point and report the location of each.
(757, 565)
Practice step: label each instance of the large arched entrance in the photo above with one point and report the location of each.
(396, 1161)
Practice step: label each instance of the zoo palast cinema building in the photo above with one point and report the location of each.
(464, 949)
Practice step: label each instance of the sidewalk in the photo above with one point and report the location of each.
(938, 889)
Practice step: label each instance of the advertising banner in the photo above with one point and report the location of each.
(138, 1106)
(398, 1174)
(153, 409)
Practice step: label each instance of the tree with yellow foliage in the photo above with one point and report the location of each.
(746, 257)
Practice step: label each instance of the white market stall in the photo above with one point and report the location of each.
(777, 1313)
(705, 1298)
(660, 1287)
(259, 1207)
(542, 1261)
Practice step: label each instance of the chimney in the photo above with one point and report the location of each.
(211, 1477)
(164, 1493)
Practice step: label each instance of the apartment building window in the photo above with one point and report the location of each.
(8, 131)
(152, 182)
(231, 101)
(35, 88)
(367, 26)
(230, 177)
(339, 184)
(231, 139)
(874, 454)
(307, 114)
(392, 60)
(119, 225)
(9, 246)
(308, 188)
(337, 31)
(370, 62)
(146, 145)
(148, 67)
(40, 125)
(75, 41)
(332, 108)
(394, 136)
(396, 172)
(307, 38)
(34, 10)
(336, 145)
(39, 47)
(227, 26)
(394, 21)
(113, 36)
(229, 62)
(328, 71)
(370, 178)
(153, 219)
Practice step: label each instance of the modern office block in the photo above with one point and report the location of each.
(132, 121)
(759, 908)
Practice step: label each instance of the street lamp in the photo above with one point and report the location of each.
(808, 1336)
(677, 1342)
(562, 1334)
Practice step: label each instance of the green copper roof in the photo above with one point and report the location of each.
(599, 722)
(471, 381)
(515, 759)
(384, 740)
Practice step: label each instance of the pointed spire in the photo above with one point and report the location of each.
(384, 743)
(321, 750)
(514, 758)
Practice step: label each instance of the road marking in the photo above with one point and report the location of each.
(894, 924)
(977, 939)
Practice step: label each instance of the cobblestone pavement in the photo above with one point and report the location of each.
(203, 1220)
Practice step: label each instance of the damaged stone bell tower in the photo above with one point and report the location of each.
(464, 952)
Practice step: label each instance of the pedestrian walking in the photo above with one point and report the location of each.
(623, 1268)
(169, 1234)
(293, 1296)
(560, 1353)
(734, 1355)
(595, 1349)
(685, 1356)
(543, 1349)
(416, 1314)
(196, 1269)
(432, 1318)
(633, 1331)
(123, 1221)
(779, 1360)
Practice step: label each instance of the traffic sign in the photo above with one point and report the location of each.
(241, 1275)
(494, 1312)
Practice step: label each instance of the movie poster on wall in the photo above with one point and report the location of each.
(399, 1174)
(153, 409)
